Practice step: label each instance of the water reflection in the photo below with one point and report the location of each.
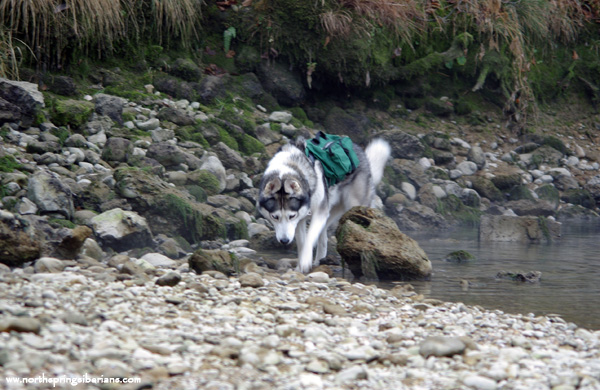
(570, 267)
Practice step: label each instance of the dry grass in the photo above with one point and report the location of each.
(53, 28)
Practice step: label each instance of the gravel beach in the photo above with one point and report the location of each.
(174, 329)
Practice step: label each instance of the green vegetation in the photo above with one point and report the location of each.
(515, 53)
(69, 112)
(8, 163)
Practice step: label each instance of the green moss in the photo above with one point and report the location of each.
(275, 127)
(197, 192)
(299, 114)
(520, 192)
(62, 133)
(228, 139)
(128, 117)
(556, 143)
(9, 164)
(250, 145)
(58, 223)
(579, 197)
(69, 112)
(548, 192)
(197, 226)
(451, 206)
(460, 256)
(207, 181)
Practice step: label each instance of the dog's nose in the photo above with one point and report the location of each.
(284, 241)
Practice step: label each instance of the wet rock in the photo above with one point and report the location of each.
(531, 276)
(371, 244)
(207, 260)
(518, 229)
(460, 256)
(48, 191)
(122, 230)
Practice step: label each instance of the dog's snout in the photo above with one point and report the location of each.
(284, 240)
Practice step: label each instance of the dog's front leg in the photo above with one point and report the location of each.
(321, 247)
(301, 236)
(305, 255)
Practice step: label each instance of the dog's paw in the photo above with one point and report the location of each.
(304, 264)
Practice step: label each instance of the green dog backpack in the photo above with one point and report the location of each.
(335, 154)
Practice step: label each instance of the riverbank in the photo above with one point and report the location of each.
(267, 330)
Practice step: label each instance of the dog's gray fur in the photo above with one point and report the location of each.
(293, 190)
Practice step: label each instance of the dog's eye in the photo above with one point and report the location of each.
(275, 217)
(292, 216)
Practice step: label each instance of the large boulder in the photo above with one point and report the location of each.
(505, 228)
(22, 95)
(50, 194)
(373, 246)
(122, 230)
(111, 106)
(283, 84)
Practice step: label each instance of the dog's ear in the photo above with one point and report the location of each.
(272, 186)
(292, 187)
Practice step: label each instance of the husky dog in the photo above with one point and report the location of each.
(293, 191)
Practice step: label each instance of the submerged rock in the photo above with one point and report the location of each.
(373, 246)
(531, 276)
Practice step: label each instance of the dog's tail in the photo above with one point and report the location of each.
(378, 152)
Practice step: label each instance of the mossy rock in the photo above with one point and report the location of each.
(186, 69)
(556, 144)
(453, 208)
(460, 256)
(506, 182)
(380, 100)
(205, 180)
(69, 112)
(548, 192)
(487, 189)
(439, 107)
(520, 192)
(579, 197)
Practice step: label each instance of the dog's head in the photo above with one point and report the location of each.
(284, 202)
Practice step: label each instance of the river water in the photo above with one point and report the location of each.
(570, 267)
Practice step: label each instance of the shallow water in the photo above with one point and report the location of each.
(570, 266)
